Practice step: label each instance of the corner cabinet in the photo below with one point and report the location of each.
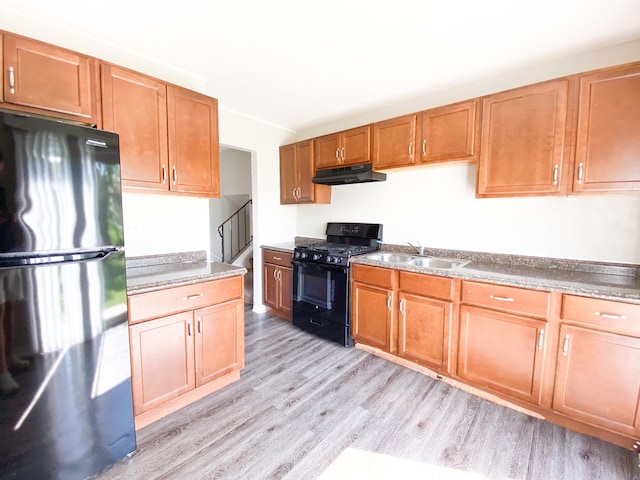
(169, 141)
(277, 283)
(297, 169)
(608, 138)
(49, 80)
(525, 140)
(186, 342)
(598, 369)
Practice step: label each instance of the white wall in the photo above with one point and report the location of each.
(437, 205)
(235, 172)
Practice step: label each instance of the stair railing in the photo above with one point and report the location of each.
(236, 232)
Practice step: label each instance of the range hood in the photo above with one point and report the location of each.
(345, 175)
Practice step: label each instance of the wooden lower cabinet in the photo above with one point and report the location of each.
(373, 317)
(502, 351)
(277, 291)
(177, 358)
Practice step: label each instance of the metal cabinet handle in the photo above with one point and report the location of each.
(389, 303)
(555, 175)
(189, 329)
(337, 154)
(410, 149)
(175, 175)
(277, 258)
(612, 316)
(424, 147)
(342, 153)
(192, 297)
(501, 299)
(164, 174)
(199, 325)
(12, 81)
(565, 347)
(541, 339)
(580, 172)
(402, 306)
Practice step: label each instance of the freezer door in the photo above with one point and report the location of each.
(70, 413)
(59, 186)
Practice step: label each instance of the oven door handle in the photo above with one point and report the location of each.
(318, 266)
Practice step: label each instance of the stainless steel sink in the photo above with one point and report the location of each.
(418, 261)
(391, 257)
(444, 263)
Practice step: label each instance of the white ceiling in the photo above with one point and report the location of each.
(297, 63)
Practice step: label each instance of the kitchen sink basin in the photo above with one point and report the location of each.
(445, 263)
(418, 261)
(391, 257)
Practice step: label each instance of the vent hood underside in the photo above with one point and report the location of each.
(346, 175)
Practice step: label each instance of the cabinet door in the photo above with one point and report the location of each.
(598, 379)
(501, 351)
(356, 146)
(305, 171)
(423, 330)
(50, 78)
(394, 142)
(194, 150)
(608, 141)
(523, 140)
(285, 290)
(270, 285)
(143, 129)
(449, 133)
(219, 340)
(288, 179)
(327, 151)
(372, 317)
(162, 364)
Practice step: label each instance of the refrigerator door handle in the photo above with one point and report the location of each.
(62, 257)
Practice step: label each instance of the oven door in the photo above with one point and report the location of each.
(321, 300)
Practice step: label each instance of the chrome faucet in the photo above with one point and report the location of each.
(420, 249)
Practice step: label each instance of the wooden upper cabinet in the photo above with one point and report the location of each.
(194, 149)
(43, 78)
(525, 133)
(327, 151)
(394, 142)
(450, 133)
(351, 147)
(608, 138)
(296, 171)
(143, 129)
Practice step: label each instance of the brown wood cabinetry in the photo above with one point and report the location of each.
(297, 168)
(525, 140)
(42, 78)
(168, 140)
(450, 133)
(598, 368)
(185, 343)
(373, 310)
(394, 142)
(500, 350)
(425, 319)
(608, 138)
(277, 282)
(351, 147)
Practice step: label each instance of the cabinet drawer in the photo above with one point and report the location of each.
(277, 258)
(381, 277)
(611, 315)
(428, 285)
(159, 303)
(509, 299)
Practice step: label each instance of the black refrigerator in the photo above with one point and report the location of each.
(66, 409)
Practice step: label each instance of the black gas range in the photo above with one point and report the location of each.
(321, 293)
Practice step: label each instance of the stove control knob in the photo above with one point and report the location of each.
(317, 256)
(338, 259)
(303, 255)
(331, 259)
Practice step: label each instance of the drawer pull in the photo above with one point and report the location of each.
(501, 299)
(192, 297)
(612, 316)
(277, 258)
(541, 339)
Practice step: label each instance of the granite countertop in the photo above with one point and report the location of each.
(154, 272)
(613, 281)
(596, 279)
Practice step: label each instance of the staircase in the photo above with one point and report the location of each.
(236, 233)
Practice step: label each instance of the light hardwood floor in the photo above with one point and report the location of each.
(301, 401)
